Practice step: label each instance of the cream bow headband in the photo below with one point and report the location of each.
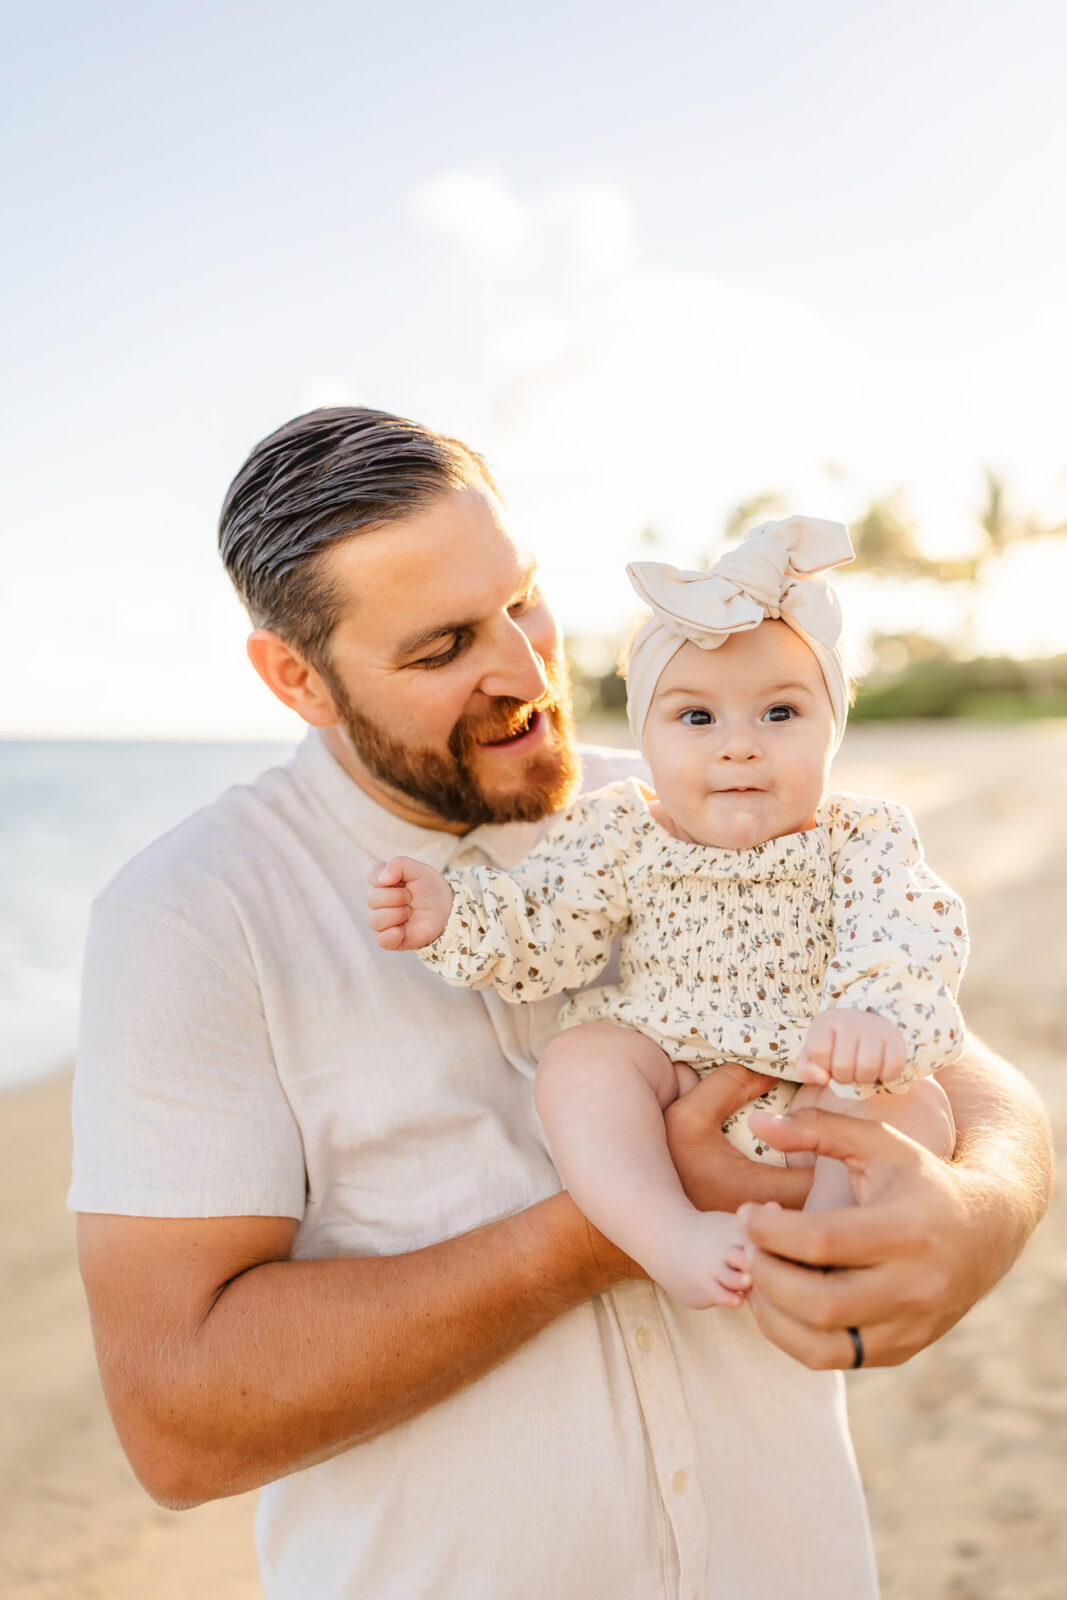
(769, 574)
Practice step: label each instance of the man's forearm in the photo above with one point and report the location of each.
(226, 1364)
(292, 1362)
(1003, 1149)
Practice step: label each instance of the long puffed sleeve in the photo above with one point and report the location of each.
(900, 934)
(549, 923)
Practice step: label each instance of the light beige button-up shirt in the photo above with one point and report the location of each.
(247, 1049)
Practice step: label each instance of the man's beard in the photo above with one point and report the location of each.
(448, 785)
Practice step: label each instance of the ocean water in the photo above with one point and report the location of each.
(70, 815)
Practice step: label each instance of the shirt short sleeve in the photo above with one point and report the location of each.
(178, 1109)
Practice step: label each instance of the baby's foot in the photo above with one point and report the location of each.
(698, 1257)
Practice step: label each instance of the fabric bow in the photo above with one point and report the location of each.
(771, 573)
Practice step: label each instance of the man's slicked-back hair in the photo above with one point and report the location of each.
(320, 478)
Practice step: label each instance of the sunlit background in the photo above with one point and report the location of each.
(656, 262)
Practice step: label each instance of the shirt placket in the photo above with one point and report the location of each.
(671, 1439)
(657, 1382)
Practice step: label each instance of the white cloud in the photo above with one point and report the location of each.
(478, 212)
(571, 236)
(618, 395)
(614, 395)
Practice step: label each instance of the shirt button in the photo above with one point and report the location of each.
(644, 1338)
(679, 1481)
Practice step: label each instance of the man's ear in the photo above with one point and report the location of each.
(294, 681)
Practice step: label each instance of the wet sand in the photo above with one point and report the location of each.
(964, 1450)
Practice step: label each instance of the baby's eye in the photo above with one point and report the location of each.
(780, 714)
(697, 717)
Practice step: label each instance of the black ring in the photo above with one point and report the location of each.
(857, 1347)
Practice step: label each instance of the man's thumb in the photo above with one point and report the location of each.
(728, 1089)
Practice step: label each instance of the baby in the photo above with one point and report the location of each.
(758, 919)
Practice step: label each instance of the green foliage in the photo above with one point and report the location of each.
(885, 543)
(913, 675)
(991, 688)
(599, 690)
(748, 513)
(933, 684)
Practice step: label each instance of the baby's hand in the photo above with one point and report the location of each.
(852, 1047)
(409, 903)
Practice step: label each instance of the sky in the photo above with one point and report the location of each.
(650, 260)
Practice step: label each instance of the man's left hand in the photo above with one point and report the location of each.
(715, 1175)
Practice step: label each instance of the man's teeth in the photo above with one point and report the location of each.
(517, 733)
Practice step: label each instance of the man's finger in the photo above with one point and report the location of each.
(725, 1091)
(853, 1298)
(855, 1140)
(861, 1236)
(821, 1349)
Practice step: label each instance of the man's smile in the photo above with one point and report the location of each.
(527, 724)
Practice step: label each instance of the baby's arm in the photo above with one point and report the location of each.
(409, 903)
(900, 944)
(545, 926)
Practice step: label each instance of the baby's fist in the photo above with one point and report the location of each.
(409, 903)
(852, 1046)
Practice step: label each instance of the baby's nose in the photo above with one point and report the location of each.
(740, 744)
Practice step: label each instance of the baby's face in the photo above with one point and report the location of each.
(739, 739)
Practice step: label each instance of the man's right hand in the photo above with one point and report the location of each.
(409, 903)
(715, 1175)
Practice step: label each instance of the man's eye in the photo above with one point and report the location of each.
(445, 656)
(697, 717)
(527, 603)
(780, 714)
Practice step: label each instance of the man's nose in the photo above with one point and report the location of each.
(517, 671)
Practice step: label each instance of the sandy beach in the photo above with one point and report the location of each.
(964, 1451)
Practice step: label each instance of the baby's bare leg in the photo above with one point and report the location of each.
(922, 1112)
(601, 1091)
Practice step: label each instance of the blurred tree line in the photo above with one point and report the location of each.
(911, 673)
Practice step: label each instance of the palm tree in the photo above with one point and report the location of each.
(885, 544)
(747, 513)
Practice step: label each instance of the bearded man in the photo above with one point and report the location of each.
(324, 1246)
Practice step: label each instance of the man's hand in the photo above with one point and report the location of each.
(409, 903)
(851, 1046)
(715, 1175)
(921, 1246)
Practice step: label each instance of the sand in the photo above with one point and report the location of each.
(964, 1450)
